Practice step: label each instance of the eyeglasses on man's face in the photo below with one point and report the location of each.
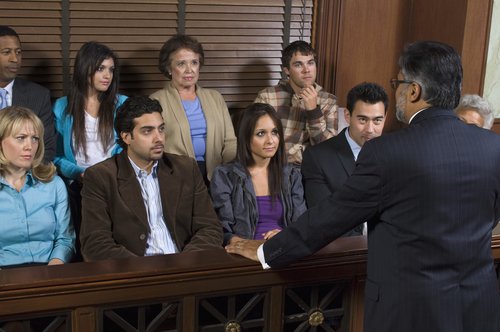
(395, 82)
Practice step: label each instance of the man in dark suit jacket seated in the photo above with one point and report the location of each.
(431, 196)
(144, 201)
(326, 166)
(19, 92)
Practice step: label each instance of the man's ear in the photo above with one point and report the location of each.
(126, 137)
(347, 116)
(286, 71)
(415, 92)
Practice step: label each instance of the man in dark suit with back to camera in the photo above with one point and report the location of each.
(144, 202)
(431, 196)
(327, 165)
(20, 92)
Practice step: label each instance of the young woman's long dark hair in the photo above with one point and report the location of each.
(87, 62)
(246, 129)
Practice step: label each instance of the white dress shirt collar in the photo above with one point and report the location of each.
(355, 148)
(8, 88)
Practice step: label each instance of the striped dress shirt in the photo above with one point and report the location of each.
(159, 241)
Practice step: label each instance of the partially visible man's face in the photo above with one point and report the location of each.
(401, 100)
(10, 59)
(301, 71)
(146, 142)
(366, 121)
(471, 116)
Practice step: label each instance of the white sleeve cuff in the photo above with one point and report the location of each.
(262, 259)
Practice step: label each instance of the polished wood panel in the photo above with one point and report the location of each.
(475, 45)
(496, 126)
(192, 286)
(360, 41)
(438, 20)
(464, 24)
(190, 289)
(325, 40)
(356, 40)
(246, 34)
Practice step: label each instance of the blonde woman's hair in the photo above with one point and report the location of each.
(12, 120)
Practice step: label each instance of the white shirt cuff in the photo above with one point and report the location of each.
(262, 259)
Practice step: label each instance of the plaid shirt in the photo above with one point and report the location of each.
(301, 128)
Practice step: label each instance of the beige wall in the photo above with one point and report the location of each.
(492, 78)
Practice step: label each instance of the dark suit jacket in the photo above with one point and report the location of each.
(37, 98)
(431, 195)
(325, 167)
(114, 218)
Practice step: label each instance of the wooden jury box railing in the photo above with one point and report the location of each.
(200, 291)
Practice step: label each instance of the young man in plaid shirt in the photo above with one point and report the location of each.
(309, 114)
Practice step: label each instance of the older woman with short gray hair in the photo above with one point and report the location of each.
(474, 109)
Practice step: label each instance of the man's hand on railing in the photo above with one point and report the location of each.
(245, 248)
